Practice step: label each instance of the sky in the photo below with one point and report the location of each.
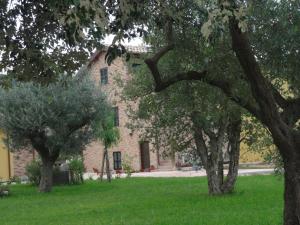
(134, 42)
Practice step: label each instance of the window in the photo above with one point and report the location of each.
(116, 116)
(104, 75)
(117, 160)
(135, 65)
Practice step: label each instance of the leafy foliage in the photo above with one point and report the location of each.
(33, 171)
(59, 112)
(34, 44)
(167, 118)
(127, 165)
(4, 191)
(107, 132)
(76, 168)
(52, 119)
(276, 42)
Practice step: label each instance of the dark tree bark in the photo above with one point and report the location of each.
(105, 161)
(291, 195)
(46, 181)
(234, 133)
(212, 154)
(48, 159)
(108, 174)
(102, 165)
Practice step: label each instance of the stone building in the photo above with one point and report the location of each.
(130, 149)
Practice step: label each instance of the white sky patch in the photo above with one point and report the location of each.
(133, 42)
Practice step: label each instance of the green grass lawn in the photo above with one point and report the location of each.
(144, 201)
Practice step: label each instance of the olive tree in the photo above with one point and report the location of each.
(266, 49)
(178, 120)
(51, 119)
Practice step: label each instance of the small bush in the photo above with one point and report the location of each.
(15, 179)
(33, 172)
(126, 165)
(127, 169)
(76, 168)
(4, 191)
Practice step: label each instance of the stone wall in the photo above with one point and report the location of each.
(21, 159)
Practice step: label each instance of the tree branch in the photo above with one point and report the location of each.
(73, 127)
(263, 92)
(281, 101)
(190, 75)
(153, 61)
(200, 76)
(291, 114)
(161, 84)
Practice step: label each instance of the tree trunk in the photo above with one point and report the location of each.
(217, 183)
(213, 181)
(46, 181)
(234, 136)
(102, 166)
(214, 167)
(229, 183)
(292, 192)
(211, 153)
(105, 160)
(108, 174)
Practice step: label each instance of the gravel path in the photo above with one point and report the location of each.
(176, 173)
(200, 173)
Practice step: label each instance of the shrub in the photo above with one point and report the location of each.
(126, 165)
(273, 157)
(15, 179)
(33, 172)
(4, 190)
(76, 168)
(127, 169)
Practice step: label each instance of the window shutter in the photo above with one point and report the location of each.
(116, 116)
(117, 160)
(104, 75)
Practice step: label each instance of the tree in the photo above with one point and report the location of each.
(108, 133)
(33, 44)
(178, 120)
(51, 119)
(279, 114)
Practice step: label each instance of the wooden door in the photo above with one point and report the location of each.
(145, 155)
